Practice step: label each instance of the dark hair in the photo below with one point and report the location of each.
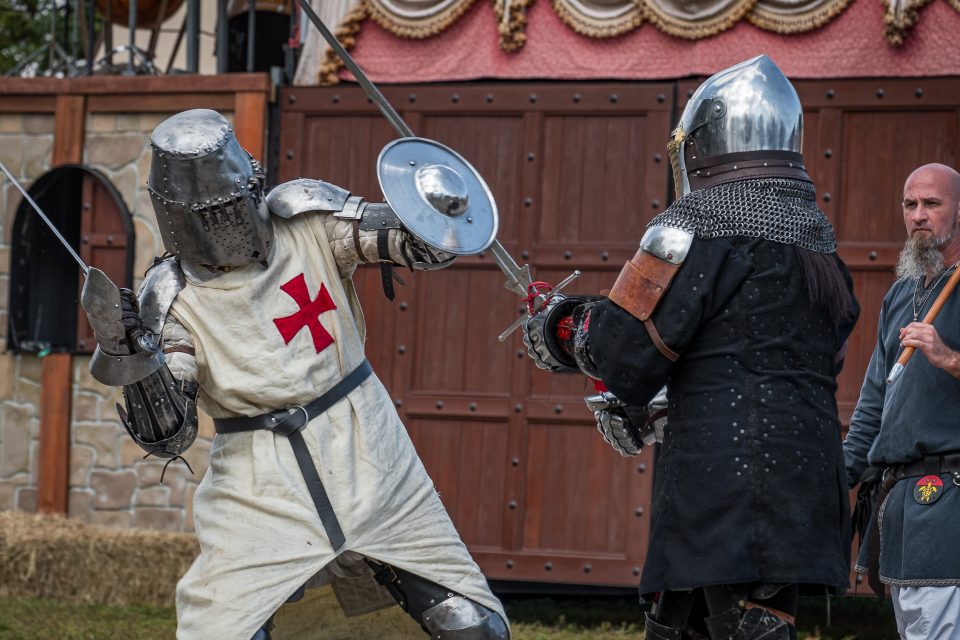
(829, 285)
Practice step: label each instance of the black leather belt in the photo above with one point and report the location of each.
(290, 422)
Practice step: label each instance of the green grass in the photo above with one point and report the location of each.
(560, 618)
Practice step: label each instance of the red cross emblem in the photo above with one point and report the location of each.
(308, 314)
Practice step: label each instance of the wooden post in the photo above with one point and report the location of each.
(249, 120)
(54, 461)
(56, 393)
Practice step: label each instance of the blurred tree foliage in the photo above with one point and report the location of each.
(24, 28)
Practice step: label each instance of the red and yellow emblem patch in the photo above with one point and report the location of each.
(928, 489)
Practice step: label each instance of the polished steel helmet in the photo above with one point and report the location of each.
(748, 108)
(207, 192)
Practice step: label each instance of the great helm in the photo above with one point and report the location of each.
(207, 192)
(745, 117)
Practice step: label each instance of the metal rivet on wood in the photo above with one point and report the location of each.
(533, 97)
(455, 98)
(918, 92)
(439, 404)
(828, 153)
(412, 97)
(880, 93)
(576, 97)
(335, 98)
(291, 98)
(488, 98)
(831, 93)
(614, 97)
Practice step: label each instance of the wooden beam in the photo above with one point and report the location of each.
(54, 459)
(249, 121)
(69, 122)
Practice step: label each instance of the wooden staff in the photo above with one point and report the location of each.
(948, 288)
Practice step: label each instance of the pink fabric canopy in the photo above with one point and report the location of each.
(851, 45)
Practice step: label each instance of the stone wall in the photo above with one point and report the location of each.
(111, 483)
(26, 148)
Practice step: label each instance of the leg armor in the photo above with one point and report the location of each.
(734, 612)
(442, 613)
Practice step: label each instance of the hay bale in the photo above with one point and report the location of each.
(54, 557)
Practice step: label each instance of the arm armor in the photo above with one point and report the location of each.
(556, 338)
(161, 411)
(359, 231)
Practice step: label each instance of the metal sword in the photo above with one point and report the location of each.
(518, 278)
(40, 212)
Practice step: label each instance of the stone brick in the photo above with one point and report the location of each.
(158, 519)
(148, 473)
(4, 265)
(112, 519)
(80, 504)
(150, 121)
(86, 407)
(8, 368)
(81, 461)
(38, 156)
(148, 245)
(125, 180)
(36, 123)
(26, 392)
(114, 488)
(188, 507)
(14, 440)
(199, 457)
(27, 499)
(205, 426)
(143, 163)
(104, 439)
(100, 123)
(11, 153)
(8, 490)
(152, 497)
(114, 151)
(130, 452)
(127, 122)
(31, 368)
(11, 123)
(82, 379)
(176, 480)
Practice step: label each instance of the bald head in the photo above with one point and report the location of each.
(931, 214)
(945, 179)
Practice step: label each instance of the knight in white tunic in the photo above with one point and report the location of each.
(254, 319)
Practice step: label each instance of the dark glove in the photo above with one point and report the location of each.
(614, 423)
(540, 334)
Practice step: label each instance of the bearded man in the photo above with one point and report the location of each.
(908, 429)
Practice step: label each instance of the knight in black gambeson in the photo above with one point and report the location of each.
(738, 303)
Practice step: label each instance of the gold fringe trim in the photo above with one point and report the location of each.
(896, 28)
(954, 3)
(699, 29)
(587, 26)
(346, 33)
(512, 27)
(409, 28)
(809, 20)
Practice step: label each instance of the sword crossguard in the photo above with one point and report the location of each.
(538, 295)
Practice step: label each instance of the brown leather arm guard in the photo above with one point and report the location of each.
(646, 278)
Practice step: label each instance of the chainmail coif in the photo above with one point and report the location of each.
(777, 209)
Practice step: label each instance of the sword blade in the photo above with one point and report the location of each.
(368, 87)
(56, 232)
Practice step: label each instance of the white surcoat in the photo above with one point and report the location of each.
(271, 338)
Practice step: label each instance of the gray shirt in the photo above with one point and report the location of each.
(919, 414)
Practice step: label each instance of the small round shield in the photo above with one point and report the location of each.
(438, 196)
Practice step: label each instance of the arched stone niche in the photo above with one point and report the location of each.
(45, 281)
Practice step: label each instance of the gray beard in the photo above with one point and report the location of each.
(921, 257)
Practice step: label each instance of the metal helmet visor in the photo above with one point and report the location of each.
(207, 192)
